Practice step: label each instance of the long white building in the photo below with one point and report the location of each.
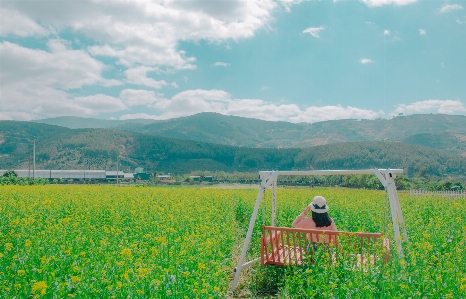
(71, 174)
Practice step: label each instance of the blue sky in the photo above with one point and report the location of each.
(290, 60)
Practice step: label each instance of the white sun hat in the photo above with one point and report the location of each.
(319, 205)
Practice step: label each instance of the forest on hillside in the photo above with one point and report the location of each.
(63, 148)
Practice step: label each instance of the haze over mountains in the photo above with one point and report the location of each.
(439, 131)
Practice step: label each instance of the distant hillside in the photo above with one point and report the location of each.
(249, 132)
(74, 122)
(448, 141)
(63, 148)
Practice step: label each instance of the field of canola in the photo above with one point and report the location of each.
(134, 242)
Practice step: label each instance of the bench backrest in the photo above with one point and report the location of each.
(281, 245)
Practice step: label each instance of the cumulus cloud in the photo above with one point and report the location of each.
(422, 31)
(60, 68)
(375, 3)
(365, 60)
(13, 22)
(195, 101)
(138, 76)
(100, 103)
(386, 32)
(315, 114)
(138, 116)
(40, 81)
(450, 7)
(314, 31)
(432, 106)
(148, 32)
(137, 97)
(224, 64)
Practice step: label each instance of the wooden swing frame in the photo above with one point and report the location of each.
(269, 179)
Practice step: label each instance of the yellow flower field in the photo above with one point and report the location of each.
(155, 242)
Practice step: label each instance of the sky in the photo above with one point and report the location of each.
(287, 60)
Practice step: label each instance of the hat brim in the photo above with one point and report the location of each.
(319, 211)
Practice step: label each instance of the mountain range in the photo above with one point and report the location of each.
(439, 131)
(427, 151)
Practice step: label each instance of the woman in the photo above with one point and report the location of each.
(319, 220)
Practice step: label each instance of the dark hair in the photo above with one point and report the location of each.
(321, 219)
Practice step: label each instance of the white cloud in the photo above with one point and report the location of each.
(137, 116)
(60, 68)
(386, 32)
(14, 115)
(422, 31)
(315, 114)
(375, 3)
(110, 82)
(137, 97)
(100, 103)
(39, 81)
(138, 76)
(148, 32)
(314, 31)
(450, 7)
(185, 103)
(13, 22)
(442, 65)
(288, 3)
(365, 60)
(194, 101)
(224, 64)
(432, 106)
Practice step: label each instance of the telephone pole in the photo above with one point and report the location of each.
(34, 159)
(118, 162)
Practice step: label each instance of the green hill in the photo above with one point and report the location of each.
(448, 141)
(74, 122)
(249, 132)
(63, 148)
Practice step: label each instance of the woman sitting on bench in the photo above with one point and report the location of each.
(319, 220)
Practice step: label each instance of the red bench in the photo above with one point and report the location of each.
(287, 246)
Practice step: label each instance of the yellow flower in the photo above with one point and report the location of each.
(27, 243)
(21, 272)
(39, 286)
(8, 246)
(75, 279)
(126, 252)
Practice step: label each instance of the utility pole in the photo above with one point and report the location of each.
(118, 162)
(29, 166)
(34, 159)
(84, 163)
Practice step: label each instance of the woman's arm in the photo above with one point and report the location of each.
(333, 225)
(301, 217)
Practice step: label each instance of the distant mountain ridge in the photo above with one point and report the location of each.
(62, 148)
(75, 122)
(440, 131)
